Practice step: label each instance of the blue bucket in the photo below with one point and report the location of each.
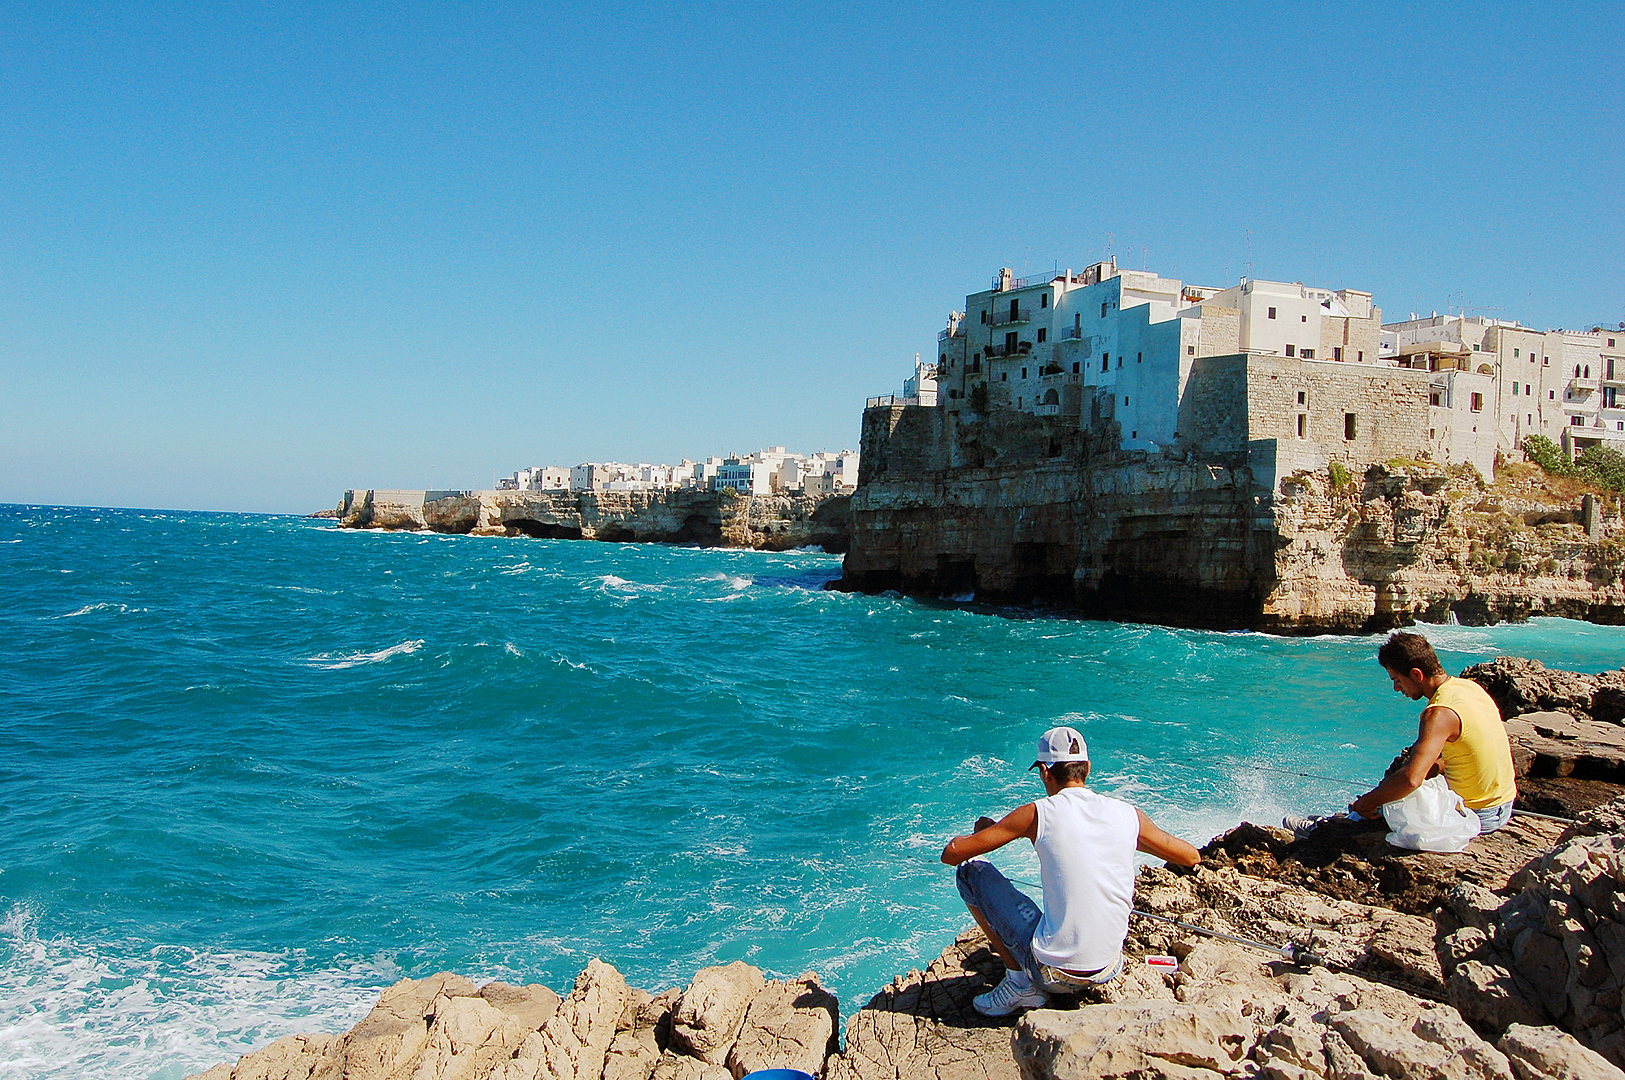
(778, 1074)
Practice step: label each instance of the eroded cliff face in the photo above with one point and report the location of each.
(1017, 508)
(705, 518)
(1410, 543)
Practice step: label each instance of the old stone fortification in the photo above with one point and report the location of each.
(705, 518)
(1504, 962)
(1012, 507)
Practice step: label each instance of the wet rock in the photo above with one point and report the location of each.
(1521, 686)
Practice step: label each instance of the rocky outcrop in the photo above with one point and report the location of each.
(443, 1028)
(1514, 973)
(1018, 508)
(1521, 686)
(705, 518)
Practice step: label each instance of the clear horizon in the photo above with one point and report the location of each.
(256, 256)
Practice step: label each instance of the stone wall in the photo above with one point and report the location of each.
(704, 518)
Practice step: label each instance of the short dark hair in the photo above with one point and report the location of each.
(1402, 652)
(1069, 772)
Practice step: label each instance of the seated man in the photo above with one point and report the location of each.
(1086, 844)
(1461, 735)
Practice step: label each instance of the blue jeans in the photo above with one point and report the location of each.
(1014, 918)
(1493, 817)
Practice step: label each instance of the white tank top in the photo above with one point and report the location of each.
(1086, 845)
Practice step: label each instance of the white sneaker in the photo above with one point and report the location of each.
(1014, 993)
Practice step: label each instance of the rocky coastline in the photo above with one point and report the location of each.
(1505, 961)
(1028, 509)
(673, 516)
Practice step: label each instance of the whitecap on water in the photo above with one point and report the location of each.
(331, 662)
(88, 609)
(131, 1009)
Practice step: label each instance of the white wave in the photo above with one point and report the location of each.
(116, 1009)
(88, 609)
(330, 662)
(16, 541)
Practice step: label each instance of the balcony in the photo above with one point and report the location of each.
(1006, 317)
(1074, 333)
(1023, 348)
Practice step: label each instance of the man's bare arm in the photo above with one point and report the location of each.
(1020, 822)
(1437, 727)
(1153, 841)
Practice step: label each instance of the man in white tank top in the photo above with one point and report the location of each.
(1086, 844)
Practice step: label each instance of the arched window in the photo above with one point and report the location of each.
(1051, 398)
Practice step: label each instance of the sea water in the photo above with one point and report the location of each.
(254, 769)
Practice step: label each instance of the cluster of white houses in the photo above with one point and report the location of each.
(1312, 373)
(765, 472)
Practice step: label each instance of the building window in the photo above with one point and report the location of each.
(1272, 313)
(1019, 403)
(1190, 350)
(1350, 425)
(1529, 418)
(984, 317)
(1103, 309)
(1545, 361)
(1477, 404)
(1337, 352)
(1105, 361)
(1434, 397)
(1043, 301)
(1359, 357)
(1303, 318)
(1307, 354)
(1139, 358)
(1515, 354)
(1588, 371)
(1074, 368)
(1023, 373)
(1289, 350)
(1125, 401)
(1551, 395)
(1119, 359)
(1015, 310)
(1514, 388)
(1575, 421)
(1004, 376)
(1528, 389)
(976, 358)
(1303, 424)
(1134, 434)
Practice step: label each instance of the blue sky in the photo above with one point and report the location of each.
(253, 255)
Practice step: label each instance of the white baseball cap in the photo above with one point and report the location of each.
(1060, 744)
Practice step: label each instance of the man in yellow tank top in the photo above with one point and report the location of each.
(1461, 735)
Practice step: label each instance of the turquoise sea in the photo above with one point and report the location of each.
(253, 769)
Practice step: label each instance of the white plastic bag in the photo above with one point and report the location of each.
(1431, 818)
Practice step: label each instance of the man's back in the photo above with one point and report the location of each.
(1478, 764)
(1085, 843)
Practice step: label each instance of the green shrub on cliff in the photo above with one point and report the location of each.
(1338, 473)
(1599, 465)
(1605, 465)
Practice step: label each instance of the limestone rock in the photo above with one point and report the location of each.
(1144, 1039)
(1545, 1053)
(575, 1039)
(1438, 1044)
(922, 1026)
(468, 1038)
(529, 1006)
(294, 1057)
(707, 1018)
(392, 1036)
(789, 1025)
(679, 1067)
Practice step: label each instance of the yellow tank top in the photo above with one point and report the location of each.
(1478, 765)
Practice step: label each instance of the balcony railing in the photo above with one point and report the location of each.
(1074, 333)
(1023, 348)
(1004, 316)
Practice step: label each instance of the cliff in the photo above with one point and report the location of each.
(1018, 508)
(1504, 961)
(704, 518)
